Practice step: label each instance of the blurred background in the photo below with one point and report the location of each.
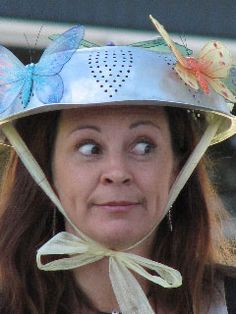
(123, 22)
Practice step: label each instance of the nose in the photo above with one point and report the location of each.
(116, 172)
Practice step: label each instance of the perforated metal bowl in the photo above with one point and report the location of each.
(122, 75)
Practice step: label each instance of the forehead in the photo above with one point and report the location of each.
(70, 117)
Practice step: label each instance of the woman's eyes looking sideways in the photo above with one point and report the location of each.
(140, 147)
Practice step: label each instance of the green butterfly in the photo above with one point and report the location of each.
(158, 45)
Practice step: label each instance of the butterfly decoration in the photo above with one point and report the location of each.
(157, 44)
(208, 69)
(82, 44)
(18, 80)
(160, 45)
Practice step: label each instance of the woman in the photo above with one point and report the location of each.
(117, 134)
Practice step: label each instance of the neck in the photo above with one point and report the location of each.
(94, 281)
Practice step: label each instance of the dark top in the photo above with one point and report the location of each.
(230, 294)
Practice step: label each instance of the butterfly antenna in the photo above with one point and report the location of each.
(183, 39)
(28, 44)
(184, 42)
(37, 39)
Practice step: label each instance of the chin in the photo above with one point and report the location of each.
(117, 243)
(117, 237)
(124, 242)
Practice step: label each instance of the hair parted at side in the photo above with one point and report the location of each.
(26, 223)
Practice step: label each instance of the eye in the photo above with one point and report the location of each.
(89, 148)
(143, 147)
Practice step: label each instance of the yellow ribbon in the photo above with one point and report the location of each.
(128, 292)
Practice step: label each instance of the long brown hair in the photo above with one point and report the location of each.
(26, 223)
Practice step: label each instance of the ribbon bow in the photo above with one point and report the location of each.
(128, 292)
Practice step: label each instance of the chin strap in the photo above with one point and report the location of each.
(130, 296)
(83, 250)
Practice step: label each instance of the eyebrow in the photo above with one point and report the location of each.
(143, 122)
(132, 126)
(86, 126)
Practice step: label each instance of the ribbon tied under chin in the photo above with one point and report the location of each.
(128, 292)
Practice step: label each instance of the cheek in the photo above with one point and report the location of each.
(73, 182)
(156, 182)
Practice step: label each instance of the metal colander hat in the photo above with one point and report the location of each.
(100, 76)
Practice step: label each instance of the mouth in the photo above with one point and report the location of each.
(117, 206)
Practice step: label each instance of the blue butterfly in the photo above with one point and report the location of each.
(19, 80)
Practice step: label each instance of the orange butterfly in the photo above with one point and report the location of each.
(212, 64)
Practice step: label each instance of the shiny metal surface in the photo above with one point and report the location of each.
(119, 75)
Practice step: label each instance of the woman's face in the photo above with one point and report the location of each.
(112, 170)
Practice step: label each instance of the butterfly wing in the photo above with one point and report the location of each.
(160, 45)
(49, 89)
(59, 51)
(12, 78)
(187, 76)
(215, 60)
(87, 44)
(49, 86)
(83, 43)
(168, 41)
(221, 89)
(8, 94)
(11, 68)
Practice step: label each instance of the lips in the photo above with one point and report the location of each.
(117, 206)
(118, 203)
